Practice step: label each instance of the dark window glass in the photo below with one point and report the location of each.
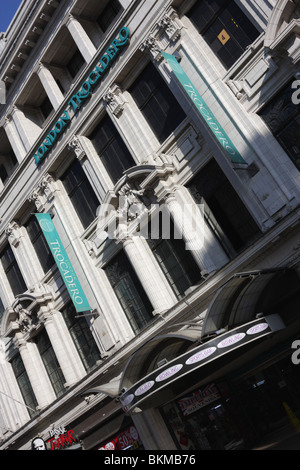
(157, 103)
(81, 193)
(82, 337)
(129, 292)
(46, 107)
(176, 262)
(24, 385)
(75, 64)
(2, 309)
(225, 212)
(50, 362)
(3, 173)
(13, 272)
(39, 243)
(283, 118)
(225, 27)
(111, 149)
(109, 13)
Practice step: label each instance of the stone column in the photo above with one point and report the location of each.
(148, 272)
(36, 372)
(50, 86)
(131, 124)
(189, 221)
(81, 39)
(25, 254)
(14, 139)
(61, 346)
(27, 130)
(153, 430)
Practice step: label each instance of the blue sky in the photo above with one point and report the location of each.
(8, 9)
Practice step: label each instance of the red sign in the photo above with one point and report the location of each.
(122, 441)
(63, 440)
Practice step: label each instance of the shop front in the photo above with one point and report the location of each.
(235, 387)
(238, 411)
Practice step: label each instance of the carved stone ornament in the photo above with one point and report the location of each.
(115, 100)
(153, 46)
(75, 146)
(24, 319)
(13, 233)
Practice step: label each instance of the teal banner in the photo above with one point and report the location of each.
(64, 265)
(206, 114)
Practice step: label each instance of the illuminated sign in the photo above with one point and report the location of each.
(198, 359)
(205, 113)
(63, 263)
(86, 89)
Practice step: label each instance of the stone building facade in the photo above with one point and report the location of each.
(99, 131)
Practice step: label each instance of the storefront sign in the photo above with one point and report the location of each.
(199, 399)
(86, 89)
(166, 374)
(195, 360)
(63, 263)
(127, 439)
(61, 438)
(144, 388)
(206, 114)
(231, 340)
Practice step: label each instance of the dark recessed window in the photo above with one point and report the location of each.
(3, 173)
(177, 263)
(129, 292)
(13, 272)
(46, 107)
(75, 64)
(225, 27)
(50, 362)
(24, 385)
(81, 193)
(111, 149)
(282, 116)
(110, 12)
(157, 103)
(224, 211)
(82, 337)
(39, 244)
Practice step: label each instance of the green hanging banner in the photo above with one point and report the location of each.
(63, 263)
(206, 114)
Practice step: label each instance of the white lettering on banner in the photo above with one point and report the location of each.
(166, 374)
(200, 356)
(211, 121)
(231, 340)
(68, 274)
(144, 388)
(257, 328)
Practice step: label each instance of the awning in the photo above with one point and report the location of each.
(197, 364)
(236, 301)
(161, 348)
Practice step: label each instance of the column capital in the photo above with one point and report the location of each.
(13, 233)
(75, 146)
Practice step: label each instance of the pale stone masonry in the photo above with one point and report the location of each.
(36, 56)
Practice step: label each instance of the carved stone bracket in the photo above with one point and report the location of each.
(13, 233)
(43, 193)
(75, 146)
(115, 100)
(165, 32)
